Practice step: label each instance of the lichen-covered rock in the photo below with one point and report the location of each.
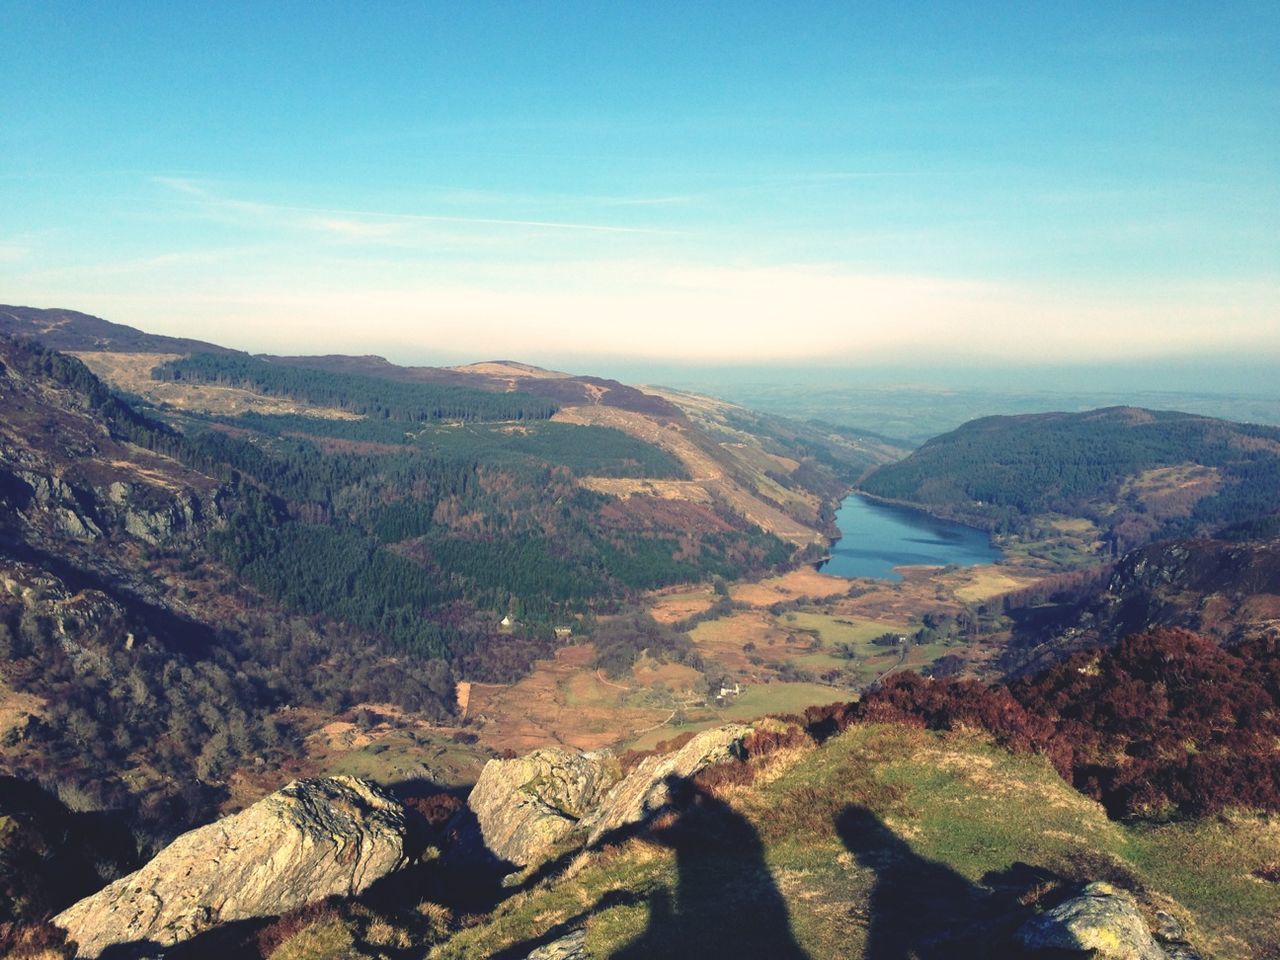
(1103, 918)
(307, 841)
(645, 789)
(527, 805)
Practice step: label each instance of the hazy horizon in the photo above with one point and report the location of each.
(875, 185)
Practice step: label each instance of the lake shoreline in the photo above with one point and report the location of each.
(880, 536)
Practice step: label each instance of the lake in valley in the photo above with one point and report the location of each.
(876, 537)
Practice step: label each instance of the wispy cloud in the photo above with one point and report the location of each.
(368, 225)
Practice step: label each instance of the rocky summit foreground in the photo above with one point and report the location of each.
(307, 841)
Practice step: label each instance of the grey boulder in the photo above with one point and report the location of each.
(310, 840)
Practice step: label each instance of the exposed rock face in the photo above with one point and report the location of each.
(525, 806)
(1103, 918)
(310, 840)
(645, 788)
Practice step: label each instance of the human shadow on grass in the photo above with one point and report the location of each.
(919, 909)
(725, 902)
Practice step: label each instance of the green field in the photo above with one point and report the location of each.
(869, 660)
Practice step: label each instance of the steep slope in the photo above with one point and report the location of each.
(135, 673)
(1229, 591)
(1108, 479)
(77, 462)
(157, 562)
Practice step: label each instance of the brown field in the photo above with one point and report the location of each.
(672, 606)
(724, 640)
(1077, 526)
(804, 583)
(132, 372)
(561, 702)
(677, 677)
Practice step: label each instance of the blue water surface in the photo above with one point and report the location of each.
(876, 537)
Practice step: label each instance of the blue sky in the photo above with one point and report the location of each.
(745, 182)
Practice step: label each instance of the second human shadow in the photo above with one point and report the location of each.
(919, 909)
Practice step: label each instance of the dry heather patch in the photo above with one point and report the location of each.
(16, 707)
(708, 479)
(623, 488)
(1172, 491)
(517, 371)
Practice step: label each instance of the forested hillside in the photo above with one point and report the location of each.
(367, 396)
(191, 598)
(1134, 474)
(411, 540)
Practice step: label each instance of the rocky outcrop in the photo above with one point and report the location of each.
(310, 840)
(150, 521)
(1103, 919)
(148, 512)
(1224, 590)
(527, 805)
(645, 789)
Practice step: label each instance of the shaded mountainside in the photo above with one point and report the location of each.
(1229, 591)
(1134, 475)
(51, 856)
(135, 675)
(502, 516)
